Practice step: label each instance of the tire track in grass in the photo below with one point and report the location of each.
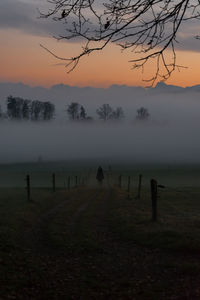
(37, 237)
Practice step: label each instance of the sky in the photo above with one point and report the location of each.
(23, 60)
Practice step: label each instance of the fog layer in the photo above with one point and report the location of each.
(170, 136)
(174, 142)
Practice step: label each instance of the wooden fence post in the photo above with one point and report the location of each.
(28, 187)
(154, 193)
(129, 183)
(139, 186)
(54, 182)
(76, 181)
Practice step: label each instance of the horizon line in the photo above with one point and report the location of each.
(94, 87)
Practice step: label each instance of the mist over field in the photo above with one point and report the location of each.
(171, 135)
(150, 142)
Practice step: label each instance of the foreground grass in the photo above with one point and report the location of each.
(178, 225)
(17, 218)
(99, 245)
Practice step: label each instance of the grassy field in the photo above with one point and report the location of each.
(95, 242)
(13, 175)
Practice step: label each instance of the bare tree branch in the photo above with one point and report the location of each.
(146, 27)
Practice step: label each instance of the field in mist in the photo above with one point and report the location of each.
(101, 236)
(169, 137)
(148, 142)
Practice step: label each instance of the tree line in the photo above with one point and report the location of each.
(35, 110)
(24, 109)
(105, 112)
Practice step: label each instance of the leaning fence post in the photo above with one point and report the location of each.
(139, 186)
(28, 187)
(54, 182)
(154, 199)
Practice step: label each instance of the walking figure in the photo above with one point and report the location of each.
(100, 175)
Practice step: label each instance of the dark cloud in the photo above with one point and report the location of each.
(24, 16)
(189, 43)
(187, 36)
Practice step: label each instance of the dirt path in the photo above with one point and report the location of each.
(36, 238)
(79, 257)
(74, 252)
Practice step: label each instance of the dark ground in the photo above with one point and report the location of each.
(94, 243)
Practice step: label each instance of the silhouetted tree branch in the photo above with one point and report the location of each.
(146, 27)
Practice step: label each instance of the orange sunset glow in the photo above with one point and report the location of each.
(23, 60)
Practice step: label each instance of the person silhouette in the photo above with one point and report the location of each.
(100, 175)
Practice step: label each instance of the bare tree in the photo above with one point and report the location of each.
(83, 115)
(48, 111)
(73, 110)
(36, 110)
(147, 28)
(117, 114)
(104, 112)
(142, 114)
